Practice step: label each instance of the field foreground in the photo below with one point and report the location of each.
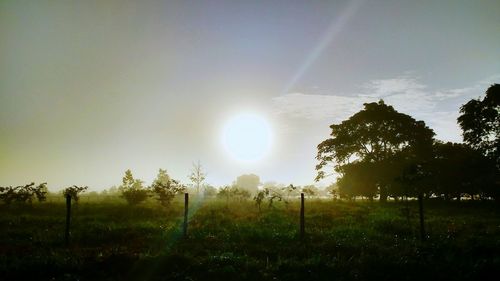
(233, 240)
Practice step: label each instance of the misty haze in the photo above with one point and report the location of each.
(250, 140)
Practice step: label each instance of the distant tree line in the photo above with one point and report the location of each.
(24, 194)
(379, 152)
(163, 189)
(376, 153)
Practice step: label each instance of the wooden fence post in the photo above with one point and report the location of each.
(68, 218)
(302, 223)
(186, 203)
(421, 211)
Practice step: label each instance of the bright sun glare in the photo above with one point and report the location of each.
(247, 137)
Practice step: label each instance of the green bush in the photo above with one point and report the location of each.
(23, 193)
(132, 189)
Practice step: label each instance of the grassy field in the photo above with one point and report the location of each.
(233, 240)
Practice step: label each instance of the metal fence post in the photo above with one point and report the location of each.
(68, 218)
(186, 204)
(302, 219)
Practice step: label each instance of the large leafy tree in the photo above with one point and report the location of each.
(375, 136)
(458, 169)
(480, 123)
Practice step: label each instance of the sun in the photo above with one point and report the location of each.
(247, 137)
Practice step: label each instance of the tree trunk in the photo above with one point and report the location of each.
(383, 194)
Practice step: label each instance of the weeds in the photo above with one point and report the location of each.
(345, 241)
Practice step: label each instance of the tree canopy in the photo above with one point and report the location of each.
(132, 189)
(457, 169)
(165, 188)
(370, 143)
(480, 123)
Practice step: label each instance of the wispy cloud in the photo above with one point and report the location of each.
(407, 94)
(472, 91)
(388, 87)
(316, 107)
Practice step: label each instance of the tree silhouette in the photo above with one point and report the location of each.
(74, 192)
(458, 169)
(166, 188)
(23, 193)
(480, 123)
(132, 189)
(375, 136)
(197, 176)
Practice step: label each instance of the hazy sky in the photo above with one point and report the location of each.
(89, 89)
